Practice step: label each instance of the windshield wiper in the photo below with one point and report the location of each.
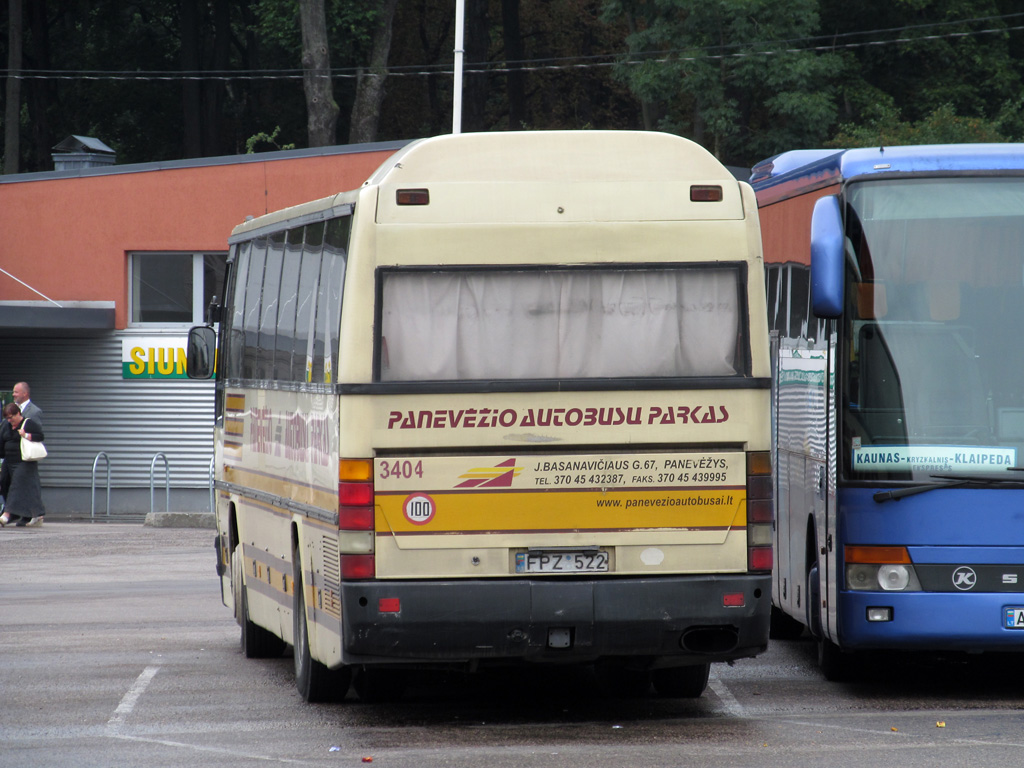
(948, 481)
(910, 490)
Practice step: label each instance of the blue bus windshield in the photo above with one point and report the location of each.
(933, 378)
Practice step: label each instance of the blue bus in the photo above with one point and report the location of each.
(895, 279)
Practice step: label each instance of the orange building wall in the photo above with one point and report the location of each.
(69, 237)
(786, 228)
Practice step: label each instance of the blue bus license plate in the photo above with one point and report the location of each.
(1013, 618)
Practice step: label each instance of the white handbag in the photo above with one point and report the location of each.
(31, 450)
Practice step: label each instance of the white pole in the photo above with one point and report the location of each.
(460, 24)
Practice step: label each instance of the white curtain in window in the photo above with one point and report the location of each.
(472, 325)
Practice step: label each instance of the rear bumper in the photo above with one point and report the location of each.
(670, 621)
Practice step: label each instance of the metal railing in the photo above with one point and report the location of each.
(167, 483)
(95, 463)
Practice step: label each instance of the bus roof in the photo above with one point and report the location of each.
(803, 170)
(558, 156)
(530, 168)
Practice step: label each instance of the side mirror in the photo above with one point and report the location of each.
(827, 258)
(200, 359)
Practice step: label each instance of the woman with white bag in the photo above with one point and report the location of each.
(24, 503)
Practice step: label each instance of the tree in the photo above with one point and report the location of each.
(191, 87)
(370, 84)
(321, 109)
(936, 72)
(714, 71)
(12, 113)
(885, 128)
(746, 78)
(512, 37)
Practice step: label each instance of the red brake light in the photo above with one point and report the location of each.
(355, 518)
(357, 567)
(759, 558)
(355, 493)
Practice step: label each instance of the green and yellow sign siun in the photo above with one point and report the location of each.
(153, 357)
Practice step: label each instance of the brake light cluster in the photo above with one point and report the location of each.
(760, 511)
(355, 513)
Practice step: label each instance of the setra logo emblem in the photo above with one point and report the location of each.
(964, 578)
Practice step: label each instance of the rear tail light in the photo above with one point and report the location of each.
(760, 511)
(356, 513)
(355, 495)
(357, 567)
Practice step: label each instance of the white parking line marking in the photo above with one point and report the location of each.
(722, 691)
(131, 698)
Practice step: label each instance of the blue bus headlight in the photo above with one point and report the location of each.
(893, 578)
(886, 578)
(879, 569)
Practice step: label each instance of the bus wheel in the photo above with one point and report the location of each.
(316, 683)
(622, 682)
(374, 685)
(783, 626)
(257, 642)
(835, 664)
(681, 682)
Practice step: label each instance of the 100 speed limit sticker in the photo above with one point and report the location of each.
(419, 508)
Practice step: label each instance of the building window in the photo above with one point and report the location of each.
(173, 288)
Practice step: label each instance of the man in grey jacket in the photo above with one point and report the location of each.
(28, 409)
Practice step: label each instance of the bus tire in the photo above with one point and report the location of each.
(316, 683)
(783, 626)
(681, 682)
(835, 664)
(622, 682)
(257, 642)
(374, 685)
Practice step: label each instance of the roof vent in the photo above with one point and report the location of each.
(82, 152)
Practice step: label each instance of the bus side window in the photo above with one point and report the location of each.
(309, 281)
(286, 312)
(234, 296)
(328, 308)
(269, 307)
(251, 322)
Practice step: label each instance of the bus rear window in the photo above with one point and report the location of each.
(569, 323)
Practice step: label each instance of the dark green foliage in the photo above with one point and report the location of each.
(167, 79)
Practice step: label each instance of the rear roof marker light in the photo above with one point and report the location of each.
(705, 193)
(412, 197)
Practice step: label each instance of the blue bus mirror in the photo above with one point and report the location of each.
(201, 352)
(827, 258)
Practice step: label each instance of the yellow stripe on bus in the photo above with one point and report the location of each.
(561, 511)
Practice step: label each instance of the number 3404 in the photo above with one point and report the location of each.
(401, 469)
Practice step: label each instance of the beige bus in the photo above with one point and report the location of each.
(507, 403)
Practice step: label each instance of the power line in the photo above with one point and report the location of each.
(772, 48)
